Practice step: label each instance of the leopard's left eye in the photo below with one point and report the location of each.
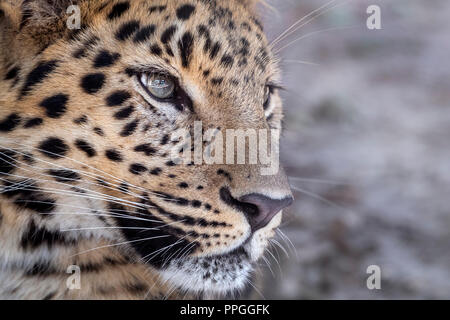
(267, 93)
(160, 86)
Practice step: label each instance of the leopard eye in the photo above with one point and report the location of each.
(159, 86)
(267, 94)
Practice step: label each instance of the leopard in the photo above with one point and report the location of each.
(93, 203)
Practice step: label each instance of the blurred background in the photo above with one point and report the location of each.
(367, 148)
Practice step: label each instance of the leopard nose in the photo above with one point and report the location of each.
(261, 209)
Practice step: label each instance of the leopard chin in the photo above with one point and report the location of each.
(214, 275)
(220, 275)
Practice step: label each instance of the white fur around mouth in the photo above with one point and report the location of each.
(210, 275)
(220, 274)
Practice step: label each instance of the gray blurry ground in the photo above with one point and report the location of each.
(373, 117)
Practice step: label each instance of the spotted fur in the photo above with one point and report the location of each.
(85, 173)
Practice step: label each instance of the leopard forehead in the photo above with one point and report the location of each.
(217, 50)
(196, 37)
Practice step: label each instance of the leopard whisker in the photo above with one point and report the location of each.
(153, 254)
(98, 215)
(119, 244)
(288, 241)
(131, 228)
(42, 168)
(102, 228)
(272, 245)
(318, 197)
(312, 18)
(319, 181)
(301, 62)
(84, 196)
(38, 173)
(85, 173)
(19, 187)
(286, 33)
(279, 245)
(268, 265)
(274, 258)
(183, 252)
(166, 259)
(60, 156)
(278, 50)
(76, 161)
(256, 289)
(102, 196)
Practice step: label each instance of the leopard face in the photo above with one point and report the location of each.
(87, 147)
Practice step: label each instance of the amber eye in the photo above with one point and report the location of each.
(159, 85)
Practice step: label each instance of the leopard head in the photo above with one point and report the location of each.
(91, 117)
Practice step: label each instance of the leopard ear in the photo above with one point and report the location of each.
(35, 13)
(33, 24)
(45, 13)
(9, 15)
